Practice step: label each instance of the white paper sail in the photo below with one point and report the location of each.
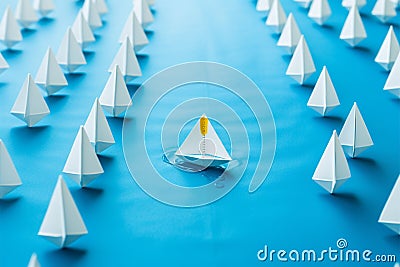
(393, 81)
(101, 6)
(204, 150)
(355, 137)
(290, 35)
(115, 97)
(30, 105)
(323, 98)
(82, 31)
(9, 178)
(143, 12)
(134, 31)
(127, 61)
(264, 5)
(390, 215)
(91, 14)
(384, 10)
(69, 54)
(82, 164)
(320, 11)
(10, 33)
(44, 7)
(62, 224)
(34, 262)
(25, 13)
(353, 31)
(389, 50)
(332, 170)
(97, 129)
(50, 76)
(301, 66)
(350, 3)
(304, 3)
(276, 17)
(151, 2)
(3, 64)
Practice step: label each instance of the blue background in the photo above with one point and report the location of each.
(126, 226)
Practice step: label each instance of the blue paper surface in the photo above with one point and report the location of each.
(289, 211)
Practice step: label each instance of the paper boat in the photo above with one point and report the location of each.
(332, 170)
(389, 50)
(393, 80)
(355, 137)
(276, 17)
(203, 147)
(10, 33)
(353, 31)
(9, 178)
(290, 35)
(62, 223)
(390, 215)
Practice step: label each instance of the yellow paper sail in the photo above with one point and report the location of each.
(203, 125)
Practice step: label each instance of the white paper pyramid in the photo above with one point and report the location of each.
(9, 178)
(204, 150)
(350, 3)
(50, 76)
(393, 81)
(301, 66)
(25, 13)
(384, 10)
(320, 11)
(355, 137)
(44, 7)
(134, 31)
(290, 35)
(332, 170)
(115, 97)
(34, 262)
(101, 6)
(3, 64)
(323, 98)
(389, 50)
(390, 215)
(91, 14)
(97, 129)
(82, 164)
(264, 5)
(276, 17)
(82, 31)
(304, 3)
(10, 33)
(69, 54)
(62, 224)
(353, 31)
(30, 105)
(143, 12)
(127, 61)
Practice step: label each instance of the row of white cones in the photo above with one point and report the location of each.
(333, 170)
(30, 105)
(320, 10)
(63, 223)
(302, 66)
